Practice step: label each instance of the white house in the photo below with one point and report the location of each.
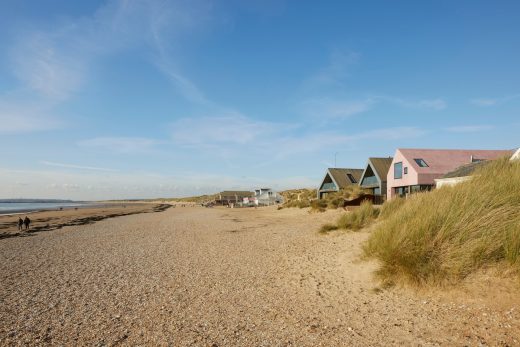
(516, 156)
(266, 196)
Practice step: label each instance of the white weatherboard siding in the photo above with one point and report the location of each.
(441, 182)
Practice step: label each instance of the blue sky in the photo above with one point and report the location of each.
(134, 99)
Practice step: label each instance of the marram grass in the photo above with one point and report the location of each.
(449, 233)
(354, 220)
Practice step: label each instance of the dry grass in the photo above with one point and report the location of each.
(445, 235)
(359, 218)
(300, 198)
(337, 199)
(328, 227)
(390, 207)
(354, 220)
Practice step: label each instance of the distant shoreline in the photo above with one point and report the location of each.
(54, 207)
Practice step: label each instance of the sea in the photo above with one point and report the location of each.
(21, 207)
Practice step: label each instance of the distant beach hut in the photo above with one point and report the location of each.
(234, 197)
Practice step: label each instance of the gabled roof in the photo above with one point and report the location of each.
(381, 166)
(441, 161)
(340, 176)
(465, 170)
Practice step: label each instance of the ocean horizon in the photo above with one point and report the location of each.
(21, 207)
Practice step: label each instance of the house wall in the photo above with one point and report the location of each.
(410, 179)
(516, 156)
(447, 182)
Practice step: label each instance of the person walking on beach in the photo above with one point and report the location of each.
(20, 223)
(26, 222)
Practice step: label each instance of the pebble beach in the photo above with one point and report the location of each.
(193, 276)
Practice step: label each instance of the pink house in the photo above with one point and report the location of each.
(414, 170)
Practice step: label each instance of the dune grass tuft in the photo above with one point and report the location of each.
(336, 200)
(354, 220)
(359, 218)
(299, 198)
(390, 207)
(328, 227)
(445, 235)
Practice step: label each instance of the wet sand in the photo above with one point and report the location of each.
(195, 276)
(57, 219)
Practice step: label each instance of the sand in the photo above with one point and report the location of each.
(56, 219)
(198, 276)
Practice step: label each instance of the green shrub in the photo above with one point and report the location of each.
(451, 232)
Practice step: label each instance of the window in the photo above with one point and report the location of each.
(352, 179)
(405, 170)
(398, 170)
(421, 162)
(401, 191)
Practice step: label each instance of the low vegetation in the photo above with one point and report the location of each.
(358, 218)
(303, 198)
(390, 207)
(337, 199)
(300, 198)
(445, 235)
(354, 220)
(328, 227)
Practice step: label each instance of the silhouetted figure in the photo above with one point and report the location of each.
(20, 223)
(26, 222)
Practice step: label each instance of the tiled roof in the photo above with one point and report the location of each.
(442, 161)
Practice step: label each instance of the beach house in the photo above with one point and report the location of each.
(228, 197)
(460, 174)
(374, 177)
(415, 170)
(336, 179)
(267, 197)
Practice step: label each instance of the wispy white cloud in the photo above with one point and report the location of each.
(232, 128)
(20, 116)
(335, 73)
(55, 63)
(238, 136)
(74, 166)
(120, 144)
(94, 185)
(469, 128)
(186, 87)
(485, 102)
(328, 108)
(437, 104)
